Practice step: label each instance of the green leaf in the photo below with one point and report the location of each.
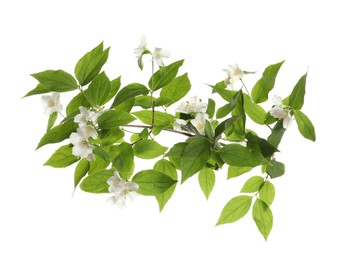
(210, 108)
(266, 83)
(124, 160)
(97, 182)
(305, 126)
(223, 126)
(276, 135)
(267, 193)
(110, 136)
(144, 101)
(275, 170)
(237, 155)
(296, 98)
(194, 158)
(260, 145)
(98, 165)
(51, 120)
(128, 92)
(126, 106)
(253, 184)
(148, 149)
(152, 182)
(206, 181)
(263, 217)
(209, 130)
(176, 153)
(166, 167)
(224, 93)
(58, 133)
(176, 89)
(113, 118)
(254, 111)
(80, 171)
(56, 80)
(76, 102)
(99, 151)
(99, 90)
(234, 171)
(40, 89)
(235, 209)
(115, 85)
(89, 66)
(62, 157)
(159, 79)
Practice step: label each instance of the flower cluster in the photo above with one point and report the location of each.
(86, 120)
(195, 108)
(281, 111)
(157, 55)
(121, 190)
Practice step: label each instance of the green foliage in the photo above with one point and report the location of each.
(113, 118)
(235, 209)
(148, 149)
(81, 170)
(265, 84)
(89, 66)
(152, 182)
(263, 217)
(56, 80)
(62, 157)
(305, 126)
(97, 182)
(160, 79)
(206, 181)
(199, 153)
(194, 158)
(166, 167)
(129, 92)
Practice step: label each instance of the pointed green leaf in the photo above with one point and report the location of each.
(206, 181)
(166, 167)
(237, 155)
(266, 83)
(97, 182)
(98, 165)
(235, 209)
(276, 135)
(152, 182)
(195, 156)
(51, 120)
(76, 102)
(275, 170)
(99, 90)
(62, 157)
(305, 126)
(89, 66)
(267, 193)
(144, 101)
(99, 151)
(253, 184)
(160, 79)
(234, 171)
(210, 108)
(113, 118)
(263, 217)
(81, 170)
(296, 98)
(254, 111)
(176, 153)
(260, 145)
(128, 92)
(176, 89)
(58, 133)
(40, 89)
(110, 136)
(148, 149)
(56, 80)
(124, 160)
(223, 126)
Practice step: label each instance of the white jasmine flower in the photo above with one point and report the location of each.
(51, 103)
(160, 53)
(83, 117)
(121, 190)
(279, 111)
(87, 131)
(178, 123)
(82, 147)
(194, 105)
(142, 47)
(94, 116)
(234, 75)
(199, 122)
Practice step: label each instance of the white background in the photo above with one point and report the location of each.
(39, 218)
